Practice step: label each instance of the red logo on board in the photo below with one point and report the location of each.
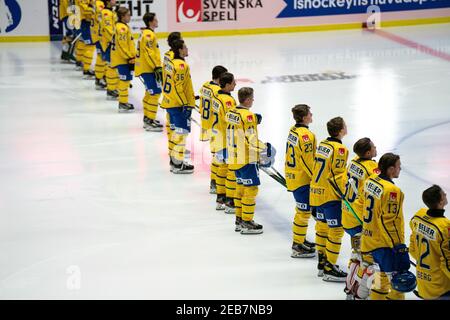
(189, 11)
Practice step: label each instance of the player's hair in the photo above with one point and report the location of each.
(177, 45)
(121, 12)
(334, 126)
(362, 146)
(217, 71)
(432, 196)
(244, 93)
(107, 3)
(148, 17)
(172, 37)
(299, 112)
(387, 160)
(226, 78)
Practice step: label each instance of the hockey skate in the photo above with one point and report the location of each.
(251, 227)
(229, 206)
(183, 168)
(112, 95)
(213, 187)
(100, 84)
(88, 75)
(125, 107)
(238, 224)
(78, 66)
(307, 243)
(220, 202)
(321, 264)
(332, 273)
(153, 126)
(300, 250)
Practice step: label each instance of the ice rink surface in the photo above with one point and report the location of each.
(89, 209)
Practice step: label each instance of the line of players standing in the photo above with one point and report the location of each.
(359, 198)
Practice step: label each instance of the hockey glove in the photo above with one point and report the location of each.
(401, 258)
(258, 118)
(159, 75)
(267, 156)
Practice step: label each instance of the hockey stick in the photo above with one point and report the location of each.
(347, 204)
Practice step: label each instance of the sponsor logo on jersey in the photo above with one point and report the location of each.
(206, 92)
(228, 104)
(426, 231)
(324, 151)
(302, 206)
(376, 171)
(249, 118)
(216, 106)
(373, 188)
(194, 11)
(326, 76)
(356, 171)
(182, 66)
(293, 139)
(332, 222)
(305, 138)
(393, 196)
(233, 118)
(341, 151)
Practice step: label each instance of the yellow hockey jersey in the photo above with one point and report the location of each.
(122, 48)
(177, 90)
(86, 9)
(243, 145)
(383, 224)
(208, 92)
(222, 103)
(149, 56)
(63, 9)
(300, 152)
(107, 27)
(95, 23)
(358, 171)
(329, 167)
(430, 247)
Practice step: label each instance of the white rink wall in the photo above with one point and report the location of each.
(35, 18)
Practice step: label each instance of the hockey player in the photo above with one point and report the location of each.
(123, 55)
(225, 179)
(100, 65)
(329, 167)
(383, 238)
(300, 151)
(244, 149)
(107, 30)
(178, 100)
(149, 68)
(168, 57)
(87, 15)
(358, 171)
(430, 245)
(67, 45)
(208, 93)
